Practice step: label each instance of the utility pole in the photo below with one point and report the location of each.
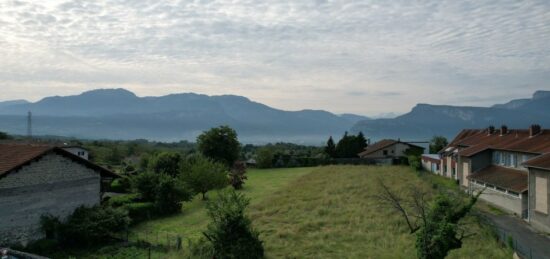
(29, 125)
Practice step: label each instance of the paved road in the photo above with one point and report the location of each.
(529, 241)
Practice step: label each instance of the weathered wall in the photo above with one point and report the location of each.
(539, 220)
(482, 160)
(52, 185)
(499, 199)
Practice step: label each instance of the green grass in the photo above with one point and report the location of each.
(323, 212)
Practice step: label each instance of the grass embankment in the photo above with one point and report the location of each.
(325, 212)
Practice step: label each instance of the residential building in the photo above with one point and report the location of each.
(38, 180)
(501, 162)
(389, 149)
(77, 150)
(539, 192)
(431, 163)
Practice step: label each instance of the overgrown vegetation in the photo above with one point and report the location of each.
(230, 234)
(86, 226)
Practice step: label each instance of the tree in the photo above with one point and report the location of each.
(204, 175)
(164, 191)
(230, 233)
(4, 135)
(437, 144)
(114, 156)
(169, 194)
(349, 146)
(361, 142)
(437, 226)
(330, 148)
(237, 175)
(166, 163)
(220, 144)
(264, 157)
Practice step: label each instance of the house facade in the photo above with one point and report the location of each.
(497, 162)
(431, 163)
(40, 180)
(389, 149)
(539, 192)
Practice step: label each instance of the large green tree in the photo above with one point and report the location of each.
(264, 157)
(204, 175)
(166, 163)
(437, 144)
(220, 144)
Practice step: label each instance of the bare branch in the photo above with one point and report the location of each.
(392, 199)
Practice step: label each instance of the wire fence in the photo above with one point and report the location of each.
(157, 239)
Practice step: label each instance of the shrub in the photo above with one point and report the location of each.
(140, 211)
(145, 184)
(121, 200)
(415, 162)
(121, 185)
(87, 225)
(237, 175)
(230, 232)
(166, 163)
(169, 194)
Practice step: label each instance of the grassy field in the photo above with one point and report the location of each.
(324, 212)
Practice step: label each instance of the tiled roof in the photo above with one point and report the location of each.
(377, 146)
(15, 156)
(514, 140)
(431, 157)
(503, 177)
(12, 156)
(539, 162)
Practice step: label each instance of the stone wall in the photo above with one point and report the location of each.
(52, 185)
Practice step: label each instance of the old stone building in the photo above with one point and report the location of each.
(39, 180)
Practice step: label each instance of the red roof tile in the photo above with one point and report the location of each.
(506, 178)
(539, 162)
(15, 156)
(377, 146)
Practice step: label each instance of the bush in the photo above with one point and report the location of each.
(86, 226)
(145, 184)
(121, 200)
(415, 162)
(121, 185)
(237, 175)
(230, 233)
(169, 194)
(166, 192)
(140, 211)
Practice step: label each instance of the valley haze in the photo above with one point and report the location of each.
(120, 114)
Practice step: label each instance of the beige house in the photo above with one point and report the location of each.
(502, 162)
(388, 149)
(39, 180)
(539, 192)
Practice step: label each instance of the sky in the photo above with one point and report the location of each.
(364, 57)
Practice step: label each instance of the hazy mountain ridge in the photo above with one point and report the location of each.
(120, 114)
(426, 120)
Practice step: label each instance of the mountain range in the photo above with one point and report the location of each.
(425, 120)
(120, 114)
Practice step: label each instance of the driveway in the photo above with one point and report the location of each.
(527, 242)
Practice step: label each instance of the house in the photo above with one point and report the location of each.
(37, 180)
(508, 164)
(431, 163)
(389, 149)
(77, 150)
(538, 188)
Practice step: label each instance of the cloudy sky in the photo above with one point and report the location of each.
(366, 57)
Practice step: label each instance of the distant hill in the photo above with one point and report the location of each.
(14, 102)
(120, 114)
(426, 120)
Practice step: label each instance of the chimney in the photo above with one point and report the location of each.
(503, 130)
(490, 130)
(534, 130)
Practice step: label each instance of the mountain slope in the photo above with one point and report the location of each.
(120, 114)
(426, 120)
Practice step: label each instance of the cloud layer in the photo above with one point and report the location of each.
(345, 56)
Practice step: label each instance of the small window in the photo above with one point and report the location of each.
(501, 189)
(385, 152)
(489, 186)
(513, 193)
